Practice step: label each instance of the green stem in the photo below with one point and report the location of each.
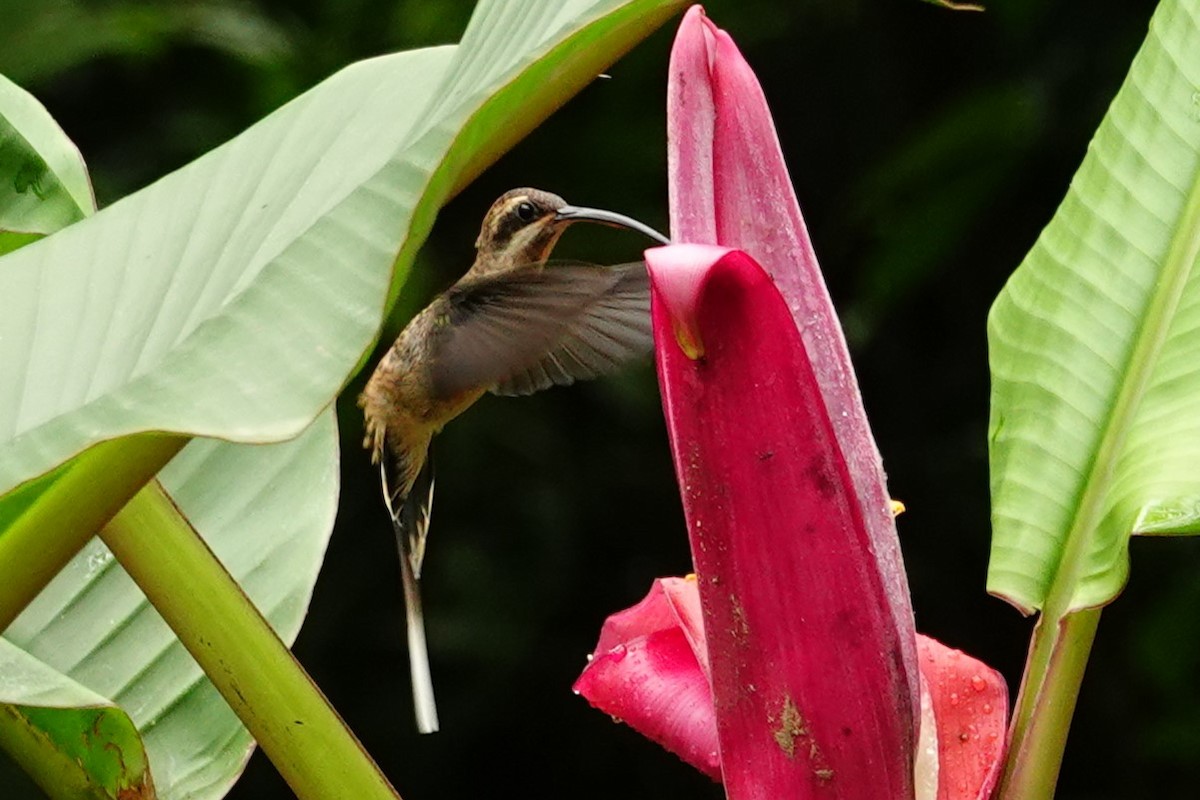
(53, 517)
(257, 675)
(1058, 656)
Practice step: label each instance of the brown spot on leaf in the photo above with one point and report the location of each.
(142, 791)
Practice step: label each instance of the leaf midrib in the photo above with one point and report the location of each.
(1139, 369)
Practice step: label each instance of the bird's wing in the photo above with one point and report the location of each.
(606, 334)
(521, 332)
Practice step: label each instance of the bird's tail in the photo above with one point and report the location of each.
(410, 523)
(418, 654)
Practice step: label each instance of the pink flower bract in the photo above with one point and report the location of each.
(803, 675)
(649, 670)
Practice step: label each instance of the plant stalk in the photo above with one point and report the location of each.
(61, 511)
(1058, 655)
(252, 668)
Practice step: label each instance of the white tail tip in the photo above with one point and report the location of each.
(422, 683)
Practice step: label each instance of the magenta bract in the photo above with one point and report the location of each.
(649, 670)
(807, 650)
(970, 704)
(807, 671)
(729, 186)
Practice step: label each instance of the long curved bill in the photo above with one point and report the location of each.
(580, 214)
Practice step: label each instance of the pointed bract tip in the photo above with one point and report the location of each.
(694, 20)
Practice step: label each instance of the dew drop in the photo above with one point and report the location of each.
(978, 683)
(617, 653)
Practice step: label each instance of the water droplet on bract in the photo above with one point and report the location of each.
(617, 653)
(987, 708)
(954, 698)
(978, 683)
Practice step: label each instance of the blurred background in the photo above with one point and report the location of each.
(928, 149)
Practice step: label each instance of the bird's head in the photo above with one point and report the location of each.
(523, 225)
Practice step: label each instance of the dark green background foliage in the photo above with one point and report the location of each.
(928, 148)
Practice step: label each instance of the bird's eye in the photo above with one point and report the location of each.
(526, 211)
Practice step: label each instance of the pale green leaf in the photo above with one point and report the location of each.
(1095, 346)
(236, 296)
(233, 299)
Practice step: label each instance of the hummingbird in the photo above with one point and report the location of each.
(512, 325)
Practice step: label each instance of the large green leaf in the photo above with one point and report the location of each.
(227, 299)
(267, 512)
(235, 297)
(1095, 347)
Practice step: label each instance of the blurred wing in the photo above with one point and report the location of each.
(522, 332)
(605, 335)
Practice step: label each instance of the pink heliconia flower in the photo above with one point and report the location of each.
(970, 706)
(650, 670)
(806, 653)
